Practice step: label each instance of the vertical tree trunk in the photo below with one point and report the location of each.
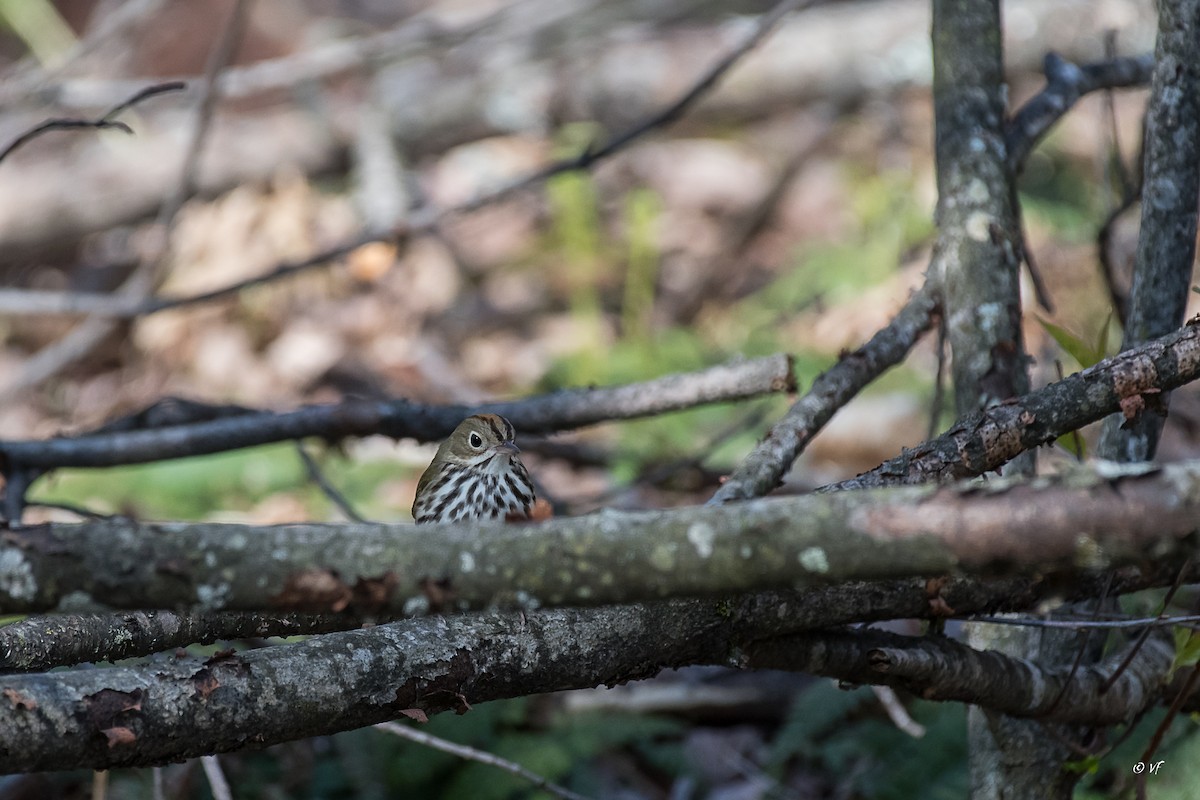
(978, 258)
(1167, 240)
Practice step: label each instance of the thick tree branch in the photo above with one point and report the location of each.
(937, 668)
(1083, 520)
(179, 709)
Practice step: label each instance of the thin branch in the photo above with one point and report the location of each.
(419, 222)
(44, 642)
(1181, 697)
(479, 756)
(562, 410)
(897, 713)
(1145, 633)
(1091, 624)
(1066, 83)
(763, 470)
(105, 121)
(328, 489)
(986, 440)
(1083, 651)
(145, 279)
(216, 778)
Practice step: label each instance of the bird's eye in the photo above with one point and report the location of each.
(476, 440)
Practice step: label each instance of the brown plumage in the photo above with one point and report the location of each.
(476, 474)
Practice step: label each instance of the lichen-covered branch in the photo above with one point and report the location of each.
(938, 668)
(1081, 520)
(979, 241)
(1170, 187)
(171, 710)
(43, 642)
(988, 439)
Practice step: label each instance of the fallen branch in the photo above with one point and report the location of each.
(1083, 520)
(938, 668)
(44, 642)
(172, 710)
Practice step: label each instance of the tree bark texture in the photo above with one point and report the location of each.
(1074, 522)
(1170, 187)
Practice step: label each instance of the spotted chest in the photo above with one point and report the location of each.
(470, 493)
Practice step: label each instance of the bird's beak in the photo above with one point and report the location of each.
(508, 448)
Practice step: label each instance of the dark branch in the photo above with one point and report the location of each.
(171, 710)
(561, 410)
(764, 468)
(1065, 84)
(987, 440)
(43, 642)
(105, 121)
(937, 668)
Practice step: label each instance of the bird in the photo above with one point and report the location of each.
(476, 474)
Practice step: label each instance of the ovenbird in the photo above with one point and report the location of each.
(476, 474)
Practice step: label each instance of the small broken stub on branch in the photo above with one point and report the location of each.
(1133, 405)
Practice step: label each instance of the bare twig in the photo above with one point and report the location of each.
(317, 476)
(762, 470)
(144, 280)
(1082, 652)
(988, 439)
(897, 713)
(1145, 634)
(105, 121)
(479, 756)
(419, 222)
(1065, 84)
(1180, 698)
(1187, 620)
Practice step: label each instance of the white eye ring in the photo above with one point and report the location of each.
(475, 440)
